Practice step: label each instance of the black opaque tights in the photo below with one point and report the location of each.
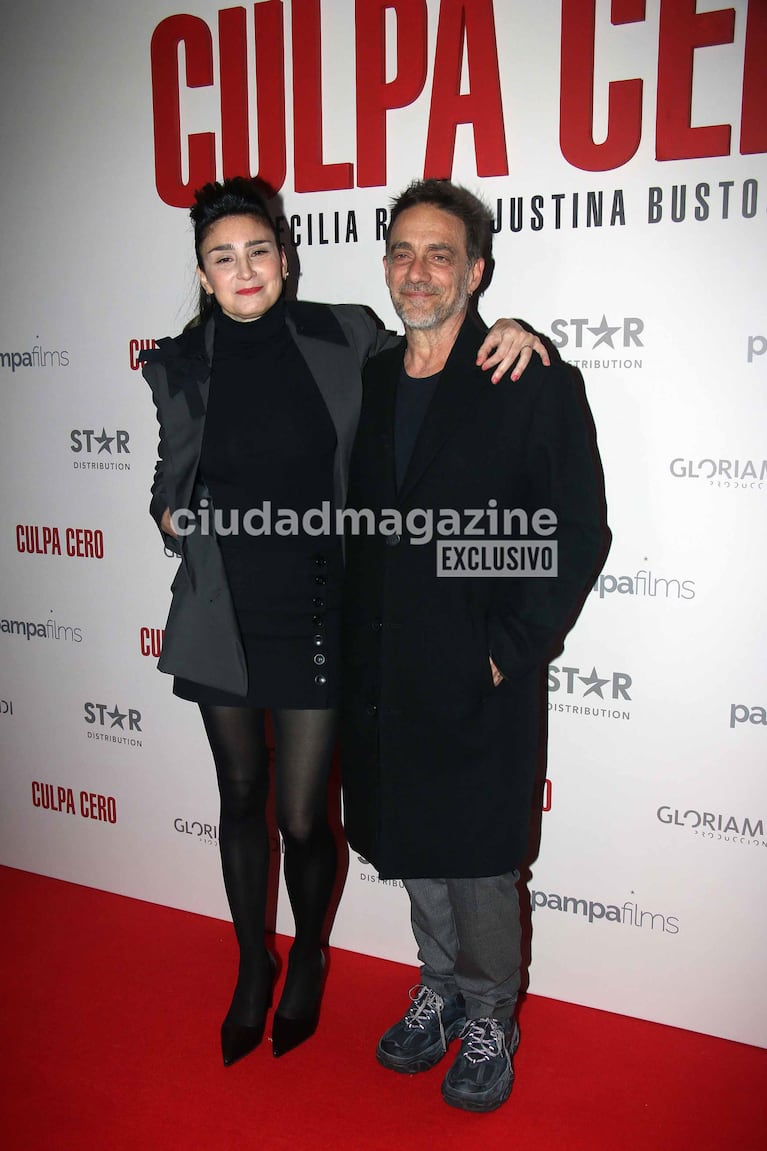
(303, 752)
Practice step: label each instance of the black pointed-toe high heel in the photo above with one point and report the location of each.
(239, 1039)
(289, 1031)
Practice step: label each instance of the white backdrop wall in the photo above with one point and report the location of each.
(631, 204)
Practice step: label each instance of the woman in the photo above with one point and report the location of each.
(254, 415)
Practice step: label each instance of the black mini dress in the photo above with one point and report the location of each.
(268, 450)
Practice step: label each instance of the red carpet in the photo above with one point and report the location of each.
(111, 1015)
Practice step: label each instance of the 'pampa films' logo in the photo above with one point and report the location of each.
(590, 693)
(628, 914)
(598, 344)
(721, 472)
(100, 451)
(742, 713)
(42, 629)
(757, 346)
(714, 826)
(113, 725)
(35, 357)
(644, 583)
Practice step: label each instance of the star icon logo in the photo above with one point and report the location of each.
(106, 442)
(118, 716)
(593, 683)
(605, 333)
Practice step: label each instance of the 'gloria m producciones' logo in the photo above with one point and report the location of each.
(721, 473)
(714, 825)
(201, 832)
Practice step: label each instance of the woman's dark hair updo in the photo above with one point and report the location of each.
(236, 196)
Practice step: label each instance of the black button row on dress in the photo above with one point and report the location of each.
(318, 639)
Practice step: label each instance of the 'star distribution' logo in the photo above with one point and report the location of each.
(602, 344)
(714, 826)
(628, 914)
(100, 451)
(589, 693)
(113, 725)
(644, 584)
(201, 832)
(721, 472)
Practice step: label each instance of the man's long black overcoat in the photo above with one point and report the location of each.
(438, 764)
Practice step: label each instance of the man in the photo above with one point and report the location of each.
(444, 668)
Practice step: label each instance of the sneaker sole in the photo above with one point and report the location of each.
(490, 1102)
(425, 1060)
(493, 1099)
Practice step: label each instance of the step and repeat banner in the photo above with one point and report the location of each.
(621, 147)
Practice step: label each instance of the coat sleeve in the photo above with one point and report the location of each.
(530, 616)
(159, 500)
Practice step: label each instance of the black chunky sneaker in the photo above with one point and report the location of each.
(419, 1040)
(481, 1076)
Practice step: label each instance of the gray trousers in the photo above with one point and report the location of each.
(468, 933)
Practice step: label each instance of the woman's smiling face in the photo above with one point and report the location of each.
(242, 266)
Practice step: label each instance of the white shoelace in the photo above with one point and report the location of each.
(485, 1040)
(426, 1004)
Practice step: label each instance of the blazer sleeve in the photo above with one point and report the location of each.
(159, 500)
(530, 616)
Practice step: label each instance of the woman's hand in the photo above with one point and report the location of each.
(506, 342)
(167, 524)
(497, 673)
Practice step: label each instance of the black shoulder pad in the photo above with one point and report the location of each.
(317, 321)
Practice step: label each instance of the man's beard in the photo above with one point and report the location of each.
(437, 316)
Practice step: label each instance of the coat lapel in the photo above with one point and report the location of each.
(381, 378)
(461, 388)
(188, 368)
(321, 341)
